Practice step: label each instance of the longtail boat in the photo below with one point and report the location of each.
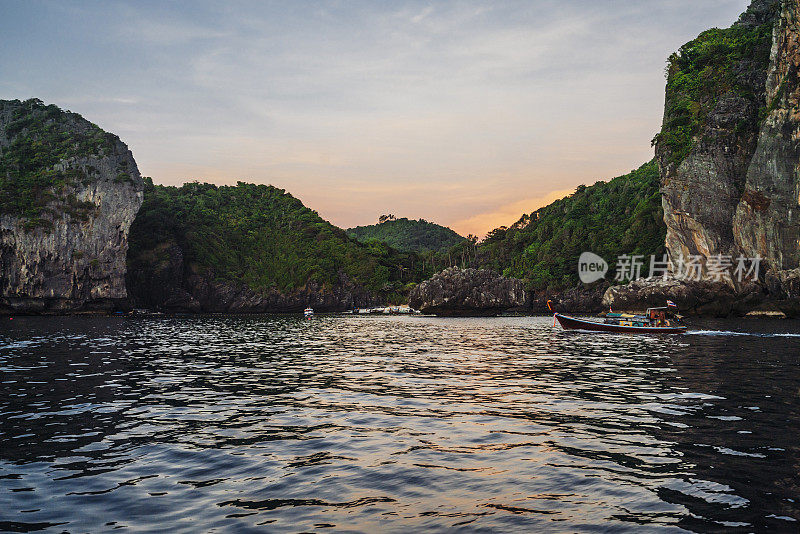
(664, 320)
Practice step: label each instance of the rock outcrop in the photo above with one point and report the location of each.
(703, 297)
(70, 193)
(467, 292)
(715, 94)
(767, 220)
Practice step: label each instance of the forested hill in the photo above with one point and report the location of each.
(408, 235)
(622, 216)
(253, 236)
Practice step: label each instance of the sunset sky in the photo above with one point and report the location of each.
(463, 113)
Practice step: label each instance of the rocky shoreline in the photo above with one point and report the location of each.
(778, 295)
(203, 295)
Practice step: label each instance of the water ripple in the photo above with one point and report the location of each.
(395, 424)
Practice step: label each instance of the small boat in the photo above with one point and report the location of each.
(663, 320)
(308, 313)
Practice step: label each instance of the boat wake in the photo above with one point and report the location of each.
(733, 333)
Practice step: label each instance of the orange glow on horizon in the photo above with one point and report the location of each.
(506, 215)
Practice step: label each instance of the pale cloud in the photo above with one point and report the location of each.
(419, 17)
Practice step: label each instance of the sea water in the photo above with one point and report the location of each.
(396, 424)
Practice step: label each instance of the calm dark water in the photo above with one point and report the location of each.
(237, 424)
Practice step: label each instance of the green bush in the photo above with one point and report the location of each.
(408, 235)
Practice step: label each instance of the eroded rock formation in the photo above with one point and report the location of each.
(704, 297)
(767, 220)
(466, 292)
(710, 133)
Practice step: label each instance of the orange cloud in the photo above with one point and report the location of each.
(505, 215)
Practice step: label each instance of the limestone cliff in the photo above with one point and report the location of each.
(731, 187)
(716, 91)
(68, 194)
(729, 159)
(767, 220)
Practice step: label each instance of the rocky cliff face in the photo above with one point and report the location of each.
(767, 219)
(729, 159)
(466, 292)
(736, 190)
(716, 91)
(69, 195)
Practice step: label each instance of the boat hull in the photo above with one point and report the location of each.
(572, 323)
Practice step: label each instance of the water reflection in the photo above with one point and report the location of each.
(394, 423)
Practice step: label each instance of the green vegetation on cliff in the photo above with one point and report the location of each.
(261, 236)
(408, 235)
(622, 216)
(715, 63)
(35, 138)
